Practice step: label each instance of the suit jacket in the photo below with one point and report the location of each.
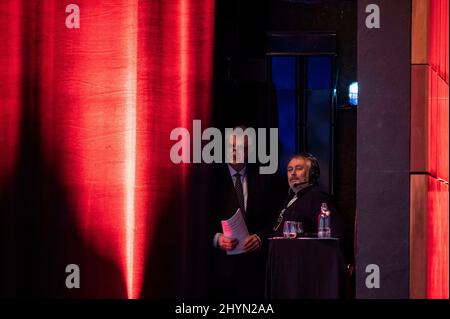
(262, 200)
(242, 276)
(306, 210)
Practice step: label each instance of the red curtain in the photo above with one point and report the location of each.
(85, 120)
(438, 153)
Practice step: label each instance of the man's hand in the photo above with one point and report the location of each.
(252, 243)
(226, 243)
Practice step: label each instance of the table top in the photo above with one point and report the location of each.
(303, 238)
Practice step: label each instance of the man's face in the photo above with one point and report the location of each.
(297, 171)
(239, 148)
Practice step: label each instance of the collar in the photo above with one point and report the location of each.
(233, 171)
(300, 188)
(303, 190)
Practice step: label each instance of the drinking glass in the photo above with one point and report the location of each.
(290, 229)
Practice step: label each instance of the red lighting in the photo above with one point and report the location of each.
(438, 153)
(105, 98)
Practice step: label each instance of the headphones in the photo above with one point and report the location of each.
(314, 170)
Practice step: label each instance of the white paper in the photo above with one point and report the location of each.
(235, 227)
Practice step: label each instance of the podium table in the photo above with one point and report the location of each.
(305, 268)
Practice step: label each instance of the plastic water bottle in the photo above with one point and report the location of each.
(323, 222)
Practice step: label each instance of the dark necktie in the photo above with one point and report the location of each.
(240, 193)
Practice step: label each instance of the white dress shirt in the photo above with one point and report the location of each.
(243, 174)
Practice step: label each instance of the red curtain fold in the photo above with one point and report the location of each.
(97, 105)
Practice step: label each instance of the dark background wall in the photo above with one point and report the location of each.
(383, 135)
(322, 16)
(241, 28)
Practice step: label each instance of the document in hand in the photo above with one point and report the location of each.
(235, 227)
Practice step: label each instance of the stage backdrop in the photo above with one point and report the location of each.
(403, 150)
(85, 173)
(429, 150)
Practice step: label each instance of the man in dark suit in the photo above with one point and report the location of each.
(240, 185)
(304, 205)
(305, 200)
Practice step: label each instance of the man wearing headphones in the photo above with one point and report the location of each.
(305, 199)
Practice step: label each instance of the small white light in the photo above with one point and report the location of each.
(353, 93)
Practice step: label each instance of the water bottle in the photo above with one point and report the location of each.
(323, 222)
